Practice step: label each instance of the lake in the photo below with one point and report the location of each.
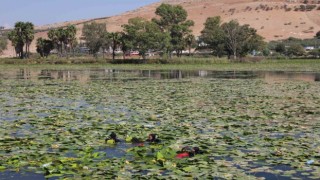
(249, 124)
(84, 75)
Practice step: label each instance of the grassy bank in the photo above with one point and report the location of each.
(176, 63)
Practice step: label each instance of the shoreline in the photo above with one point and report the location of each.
(296, 65)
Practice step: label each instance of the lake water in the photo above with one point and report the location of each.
(85, 75)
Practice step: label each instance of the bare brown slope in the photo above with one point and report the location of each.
(272, 18)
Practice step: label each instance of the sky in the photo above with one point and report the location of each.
(41, 12)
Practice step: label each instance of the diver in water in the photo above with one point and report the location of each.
(113, 136)
(153, 138)
(188, 151)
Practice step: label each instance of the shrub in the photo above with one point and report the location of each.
(296, 50)
(288, 9)
(310, 7)
(315, 53)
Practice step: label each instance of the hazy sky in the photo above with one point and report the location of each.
(42, 12)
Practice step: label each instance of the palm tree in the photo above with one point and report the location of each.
(40, 46)
(62, 38)
(53, 36)
(61, 34)
(16, 38)
(12, 36)
(70, 36)
(57, 37)
(28, 36)
(22, 35)
(44, 46)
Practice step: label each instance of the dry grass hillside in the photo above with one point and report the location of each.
(274, 19)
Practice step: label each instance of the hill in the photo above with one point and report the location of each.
(274, 19)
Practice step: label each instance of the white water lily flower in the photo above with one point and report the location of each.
(149, 125)
(47, 164)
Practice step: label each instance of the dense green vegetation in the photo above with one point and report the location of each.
(294, 47)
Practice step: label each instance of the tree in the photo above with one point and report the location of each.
(61, 34)
(266, 52)
(239, 40)
(105, 43)
(125, 43)
(17, 43)
(54, 37)
(94, 34)
(3, 41)
(44, 46)
(22, 35)
(213, 35)
(178, 35)
(57, 37)
(296, 50)
(115, 42)
(3, 44)
(145, 35)
(170, 15)
(190, 42)
(63, 39)
(280, 48)
(173, 20)
(28, 36)
(70, 37)
(255, 43)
